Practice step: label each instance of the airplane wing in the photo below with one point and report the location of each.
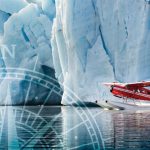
(114, 84)
(138, 84)
(129, 85)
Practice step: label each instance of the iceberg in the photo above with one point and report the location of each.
(12, 6)
(25, 44)
(80, 43)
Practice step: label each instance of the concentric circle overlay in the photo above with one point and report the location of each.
(36, 127)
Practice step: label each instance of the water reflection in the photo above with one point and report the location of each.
(41, 127)
(125, 129)
(30, 127)
(78, 129)
(132, 130)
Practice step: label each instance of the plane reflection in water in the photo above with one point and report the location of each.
(66, 127)
(125, 130)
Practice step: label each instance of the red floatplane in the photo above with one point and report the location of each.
(137, 94)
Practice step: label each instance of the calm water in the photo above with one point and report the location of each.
(73, 128)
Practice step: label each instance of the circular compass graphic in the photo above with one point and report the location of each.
(41, 126)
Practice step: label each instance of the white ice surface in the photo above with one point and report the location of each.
(99, 41)
(87, 42)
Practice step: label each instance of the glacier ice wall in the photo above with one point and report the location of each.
(87, 42)
(97, 41)
(25, 43)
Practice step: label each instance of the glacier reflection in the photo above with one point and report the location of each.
(66, 127)
(30, 127)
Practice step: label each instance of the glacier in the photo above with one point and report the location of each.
(100, 41)
(25, 45)
(81, 43)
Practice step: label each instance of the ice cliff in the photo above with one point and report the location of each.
(87, 42)
(100, 41)
(25, 42)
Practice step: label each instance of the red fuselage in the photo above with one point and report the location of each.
(139, 93)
